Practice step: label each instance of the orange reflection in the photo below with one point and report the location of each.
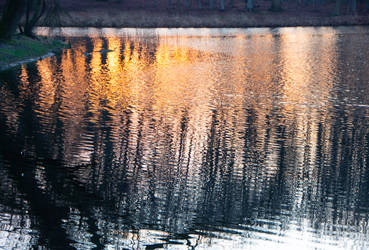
(247, 111)
(177, 78)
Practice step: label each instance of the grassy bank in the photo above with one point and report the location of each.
(23, 49)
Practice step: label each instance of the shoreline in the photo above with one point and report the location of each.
(191, 32)
(25, 61)
(142, 19)
(22, 50)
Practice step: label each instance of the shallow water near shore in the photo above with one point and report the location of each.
(188, 139)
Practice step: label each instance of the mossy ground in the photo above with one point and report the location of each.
(21, 48)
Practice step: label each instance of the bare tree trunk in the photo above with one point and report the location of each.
(12, 15)
(222, 7)
(250, 5)
(338, 7)
(188, 4)
(276, 5)
(156, 3)
(199, 4)
(211, 4)
(37, 9)
(352, 6)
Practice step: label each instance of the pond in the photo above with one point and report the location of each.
(188, 139)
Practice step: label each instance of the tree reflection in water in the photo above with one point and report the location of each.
(195, 141)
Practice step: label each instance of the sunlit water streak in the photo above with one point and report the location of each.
(188, 139)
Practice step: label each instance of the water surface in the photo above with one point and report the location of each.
(188, 139)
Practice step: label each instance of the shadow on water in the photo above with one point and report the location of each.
(196, 142)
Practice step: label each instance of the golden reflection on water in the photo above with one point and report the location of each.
(235, 102)
(176, 78)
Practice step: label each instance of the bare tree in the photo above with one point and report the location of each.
(188, 4)
(48, 11)
(199, 4)
(249, 5)
(13, 12)
(352, 6)
(35, 9)
(211, 4)
(222, 7)
(276, 5)
(32, 11)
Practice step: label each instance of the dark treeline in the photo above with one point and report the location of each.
(25, 15)
(337, 6)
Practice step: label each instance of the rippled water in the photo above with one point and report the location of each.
(189, 139)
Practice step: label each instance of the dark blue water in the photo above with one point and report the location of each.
(188, 139)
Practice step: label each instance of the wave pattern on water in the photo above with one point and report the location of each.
(240, 140)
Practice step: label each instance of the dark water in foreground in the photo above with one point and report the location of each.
(189, 139)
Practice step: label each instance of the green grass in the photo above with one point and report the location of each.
(22, 48)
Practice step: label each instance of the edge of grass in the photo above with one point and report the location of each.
(22, 49)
